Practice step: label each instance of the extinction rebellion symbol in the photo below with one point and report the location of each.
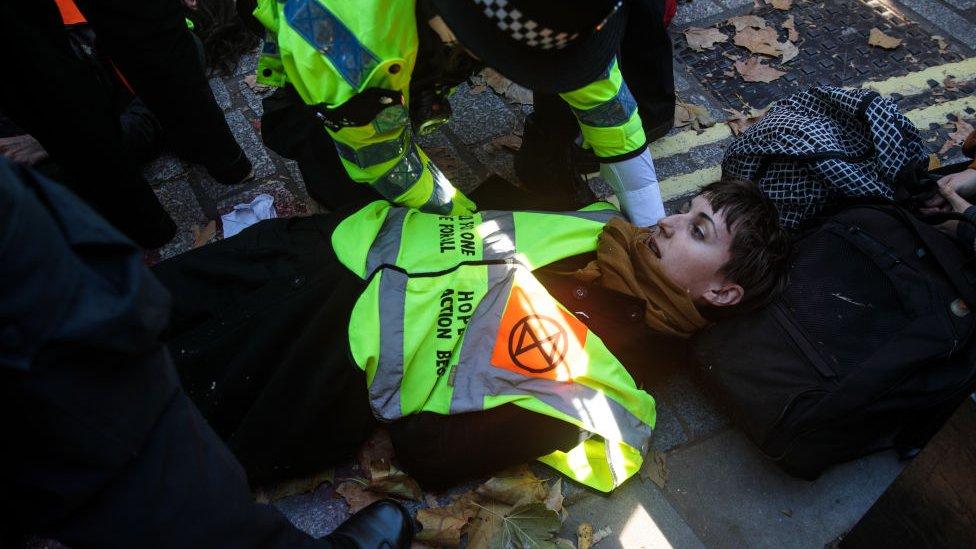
(537, 344)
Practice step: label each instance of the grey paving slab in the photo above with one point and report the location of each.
(638, 515)
(962, 4)
(318, 513)
(220, 93)
(668, 432)
(480, 117)
(164, 168)
(955, 25)
(178, 199)
(695, 11)
(252, 99)
(251, 142)
(697, 413)
(731, 496)
(732, 4)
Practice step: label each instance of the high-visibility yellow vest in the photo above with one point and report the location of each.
(331, 50)
(453, 320)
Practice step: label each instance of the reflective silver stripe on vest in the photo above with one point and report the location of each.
(475, 378)
(401, 176)
(613, 113)
(376, 153)
(386, 246)
(384, 393)
(327, 34)
(440, 200)
(499, 243)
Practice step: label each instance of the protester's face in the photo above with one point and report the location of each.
(693, 246)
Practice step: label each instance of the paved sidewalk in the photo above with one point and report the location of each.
(721, 492)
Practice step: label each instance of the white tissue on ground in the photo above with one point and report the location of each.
(247, 214)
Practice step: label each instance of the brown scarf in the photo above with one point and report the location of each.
(624, 263)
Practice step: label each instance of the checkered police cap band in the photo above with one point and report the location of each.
(529, 32)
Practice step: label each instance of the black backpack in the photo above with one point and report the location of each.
(869, 347)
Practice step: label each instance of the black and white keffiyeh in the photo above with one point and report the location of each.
(824, 143)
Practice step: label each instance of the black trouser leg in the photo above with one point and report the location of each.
(155, 51)
(647, 65)
(58, 100)
(290, 129)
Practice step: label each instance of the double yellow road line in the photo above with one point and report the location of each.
(910, 84)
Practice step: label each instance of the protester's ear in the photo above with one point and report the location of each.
(724, 295)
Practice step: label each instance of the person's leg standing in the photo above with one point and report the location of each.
(58, 100)
(152, 46)
(647, 65)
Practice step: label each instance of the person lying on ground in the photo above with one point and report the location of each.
(481, 341)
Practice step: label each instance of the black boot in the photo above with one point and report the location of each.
(382, 525)
(545, 167)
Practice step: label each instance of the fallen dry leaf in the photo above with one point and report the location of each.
(509, 142)
(745, 21)
(950, 84)
(882, 40)
(763, 40)
(443, 526)
(600, 534)
(377, 446)
(654, 469)
(385, 478)
(696, 116)
(252, 82)
(790, 26)
(495, 80)
(294, 487)
(515, 486)
(754, 70)
(730, 55)
(477, 89)
(942, 42)
(934, 162)
(554, 500)
(584, 536)
(963, 129)
(784, 5)
(518, 94)
(205, 235)
(740, 121)
(499, 526)
(701, 39)
(356, 495)
(788, 51)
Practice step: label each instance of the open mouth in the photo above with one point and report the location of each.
(652, 244)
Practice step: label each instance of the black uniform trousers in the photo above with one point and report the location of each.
(102, 448)
(55, 97)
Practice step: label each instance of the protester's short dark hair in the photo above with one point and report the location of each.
(760, 247)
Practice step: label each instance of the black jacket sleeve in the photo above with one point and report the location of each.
(441, 451)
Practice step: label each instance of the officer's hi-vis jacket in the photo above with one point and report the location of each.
(332, 51)
(453, 320)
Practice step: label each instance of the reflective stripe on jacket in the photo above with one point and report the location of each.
(453, 321)
(329, 51)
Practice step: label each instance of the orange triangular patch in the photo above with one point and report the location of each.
(537, 337)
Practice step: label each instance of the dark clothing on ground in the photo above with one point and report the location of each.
(102, 447)
(260, 338)
(59, 101)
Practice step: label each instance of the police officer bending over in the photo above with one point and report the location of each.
(480, 340)
(377, 71)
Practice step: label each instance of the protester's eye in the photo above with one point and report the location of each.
(697, 232)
